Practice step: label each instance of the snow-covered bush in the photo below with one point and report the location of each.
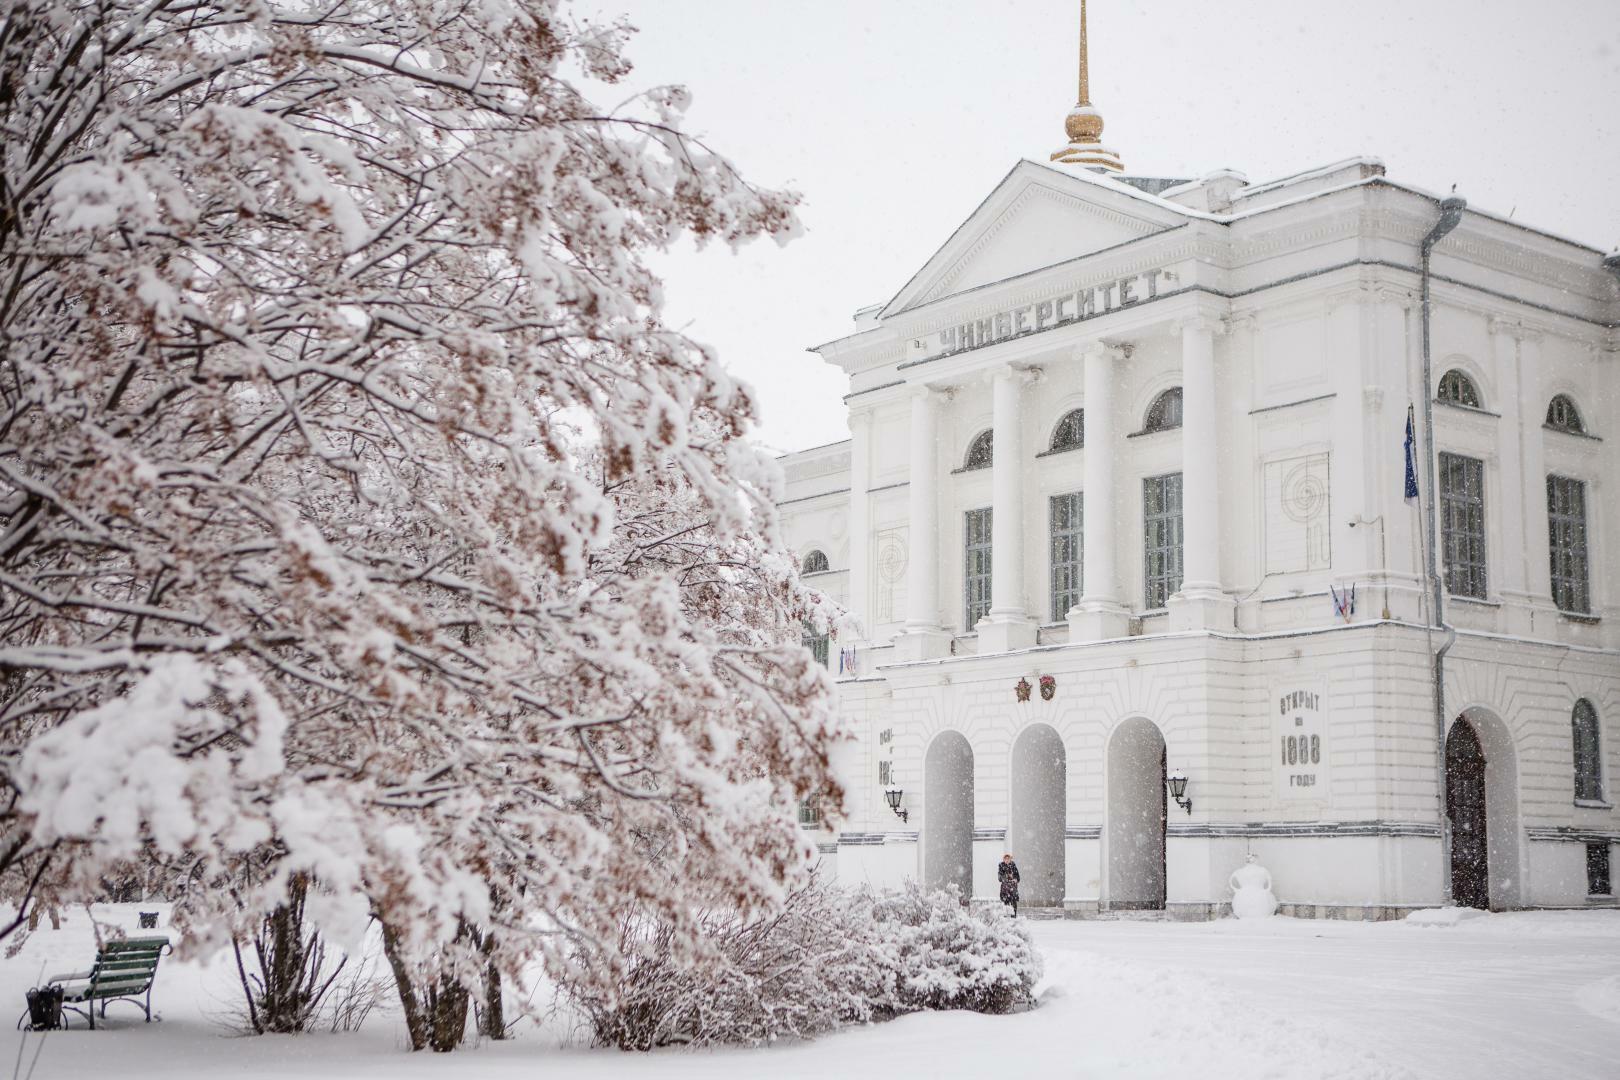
(803, 970)
(945, 955)
(829, 958)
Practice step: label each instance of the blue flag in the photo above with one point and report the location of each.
(1411, 457)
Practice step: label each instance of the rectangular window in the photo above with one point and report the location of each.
(976, 566)
(885, 773)
(1161, 538)
(1566, 529)
(1597, 870)
(816, 643)
(1068, 514)
(810, 812)
(1462, 524)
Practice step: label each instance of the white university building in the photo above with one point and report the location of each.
(1123, 515)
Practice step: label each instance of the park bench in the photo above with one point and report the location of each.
(123, 971)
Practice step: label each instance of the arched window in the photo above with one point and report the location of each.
(816, 563)
(1563, 415)
(1458, 389)
(1165, 412)
(1070, 433)
(981, 451)
(1588, 765)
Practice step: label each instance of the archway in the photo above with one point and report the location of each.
(1039, 813)
(1482, 804)
(947, 826)
(1136, 815)
(1465, 807)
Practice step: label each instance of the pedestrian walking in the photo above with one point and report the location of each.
(1007, 872)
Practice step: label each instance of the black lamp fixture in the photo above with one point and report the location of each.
(892, 794)
(1177, 783)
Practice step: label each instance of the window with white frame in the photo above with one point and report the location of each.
(1165, 412)
(1067, 521)
(1161, 538)
(1462, 524)
(816, 643)
(1583, 721)
(976, 566)
(1562, 415)
(816, 563)
(1456, 388)
(981, 451)
(1566, 533)
(1070, 433)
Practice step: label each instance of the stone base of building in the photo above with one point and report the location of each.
(1210, 911)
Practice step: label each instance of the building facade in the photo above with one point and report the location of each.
(1125, 504)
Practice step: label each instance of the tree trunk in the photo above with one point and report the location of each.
(448, 1003)
(493, 1024)
(416, 1026)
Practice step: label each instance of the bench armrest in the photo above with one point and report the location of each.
(70, 976)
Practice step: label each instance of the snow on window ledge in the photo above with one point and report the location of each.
(1595, 804)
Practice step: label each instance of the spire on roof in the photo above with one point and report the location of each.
(1084, 123)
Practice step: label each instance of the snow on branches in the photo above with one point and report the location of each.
(352, 491)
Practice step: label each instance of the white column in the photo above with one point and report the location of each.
(1512, 572)
(1100, 614)
(1537, 544)
(1200, 604)
(860, 522)
(1008, 625)
(923, 638)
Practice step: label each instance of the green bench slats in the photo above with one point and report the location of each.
(124, 970)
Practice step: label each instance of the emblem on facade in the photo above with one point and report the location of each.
(1022, 690)
(1048, 687)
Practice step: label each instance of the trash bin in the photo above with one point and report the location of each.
(149, 920)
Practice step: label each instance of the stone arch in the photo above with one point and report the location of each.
(1038, 814)
(1504, 835)
(1134, 837)
(947, 826)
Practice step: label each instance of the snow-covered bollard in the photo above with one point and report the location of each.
(1251, 892)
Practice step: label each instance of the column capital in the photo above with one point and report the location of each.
(1513, 328)
(1240, 320)
(1103, 350)
(1194, 323)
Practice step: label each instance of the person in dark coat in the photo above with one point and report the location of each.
(1007, 872)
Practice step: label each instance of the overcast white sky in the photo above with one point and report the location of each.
(894, 118)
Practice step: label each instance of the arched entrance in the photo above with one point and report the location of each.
(1482, 805)
(947, 826)
(1465, 807)
(1136, 815)
(1035, 832)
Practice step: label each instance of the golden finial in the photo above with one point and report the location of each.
(1084, 124)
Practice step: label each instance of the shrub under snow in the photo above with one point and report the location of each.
(947, 956)
(829, 958)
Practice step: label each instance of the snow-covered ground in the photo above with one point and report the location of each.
(1516, 996)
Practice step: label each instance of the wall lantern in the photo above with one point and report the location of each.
(893, 796)
(1177, 783)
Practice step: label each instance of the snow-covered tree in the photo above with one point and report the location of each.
(359, 517)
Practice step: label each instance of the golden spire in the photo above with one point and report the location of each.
(1084, 123)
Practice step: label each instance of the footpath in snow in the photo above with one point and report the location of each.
(1527, 995)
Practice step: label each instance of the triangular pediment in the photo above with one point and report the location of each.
(1035, 218)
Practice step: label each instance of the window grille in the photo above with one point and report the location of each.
(1566, 533)
(1070, 433)
(816, 643)
(1165, 412)
(976, 567)
(981, 451)
(1462, 524)
(1457, 388)
(1563, 415)
(1161, 538)
(1067, 525)
(816, 563)
(1597, 870)
(810, 811)
(1588, 760)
